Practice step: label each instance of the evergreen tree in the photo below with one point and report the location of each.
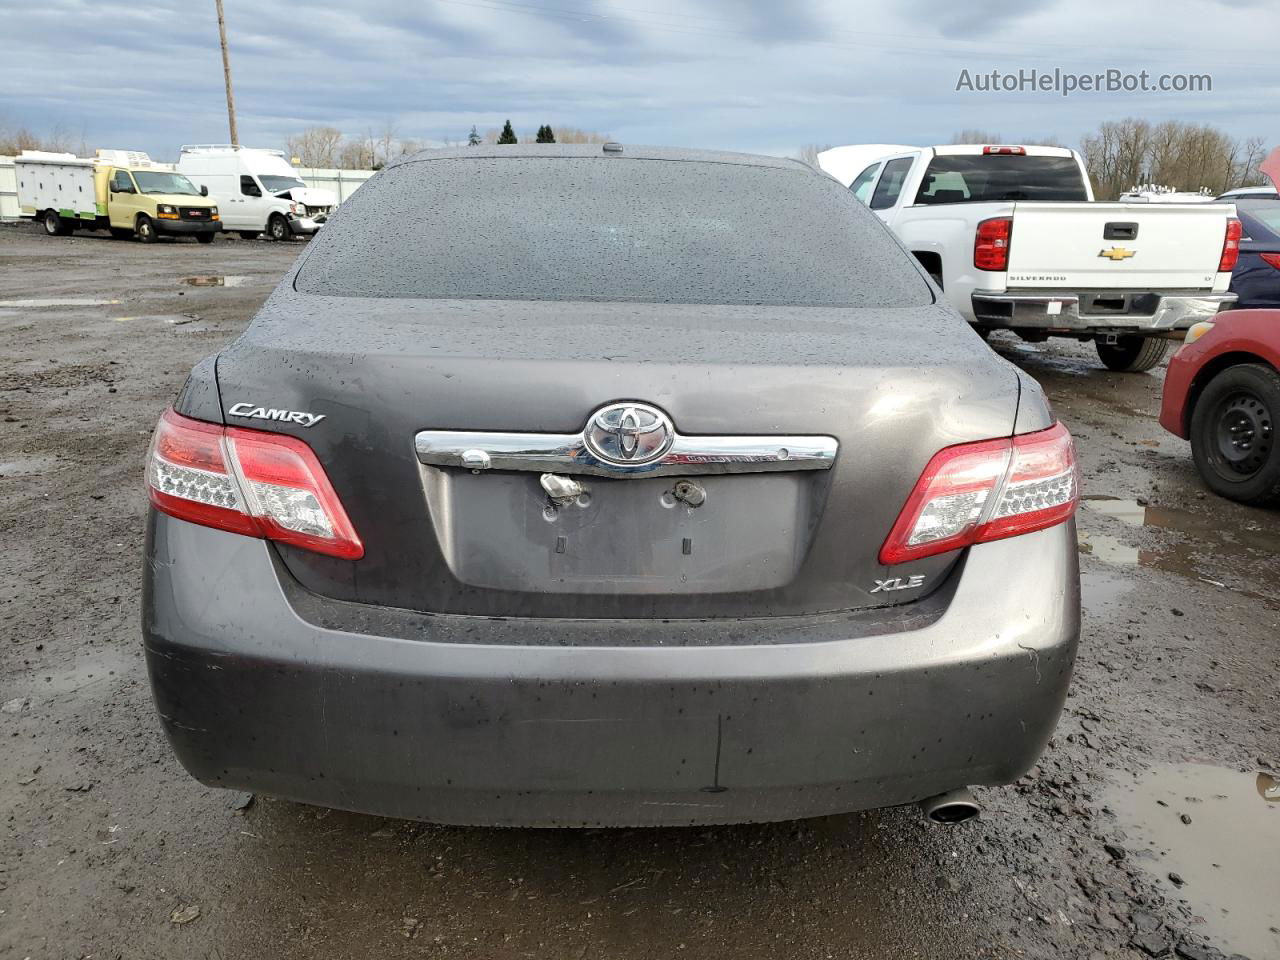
(546, 134)
(508, 135)
(473, 138)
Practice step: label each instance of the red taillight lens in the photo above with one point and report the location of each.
(1272, 259)
(249, 482)
(1004, 151)
(1230, 247)
(991, 244)
(976, 492)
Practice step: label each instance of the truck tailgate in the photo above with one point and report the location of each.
(1110, 246)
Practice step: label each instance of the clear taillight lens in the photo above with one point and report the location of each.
(249, 482)
(976, 492)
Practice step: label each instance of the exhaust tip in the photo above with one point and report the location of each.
(954, 806)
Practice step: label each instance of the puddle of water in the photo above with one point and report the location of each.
(57, 303)
(230, 280)
(1228, 855)
(1246, 544)
(94, 671)
(26, 466)
(1109, 550)
(173, 319)
(1097, 590)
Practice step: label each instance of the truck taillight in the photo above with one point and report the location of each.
(249, 482)
(991, 244)
(1230, 246)
(990, 490)
(1004, 151)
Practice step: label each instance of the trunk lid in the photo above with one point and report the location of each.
(890, 385)
(1116, 246)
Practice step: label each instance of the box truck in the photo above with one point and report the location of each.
(119, 190)
(257, 190)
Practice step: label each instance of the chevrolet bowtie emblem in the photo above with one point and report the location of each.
(1117, 253)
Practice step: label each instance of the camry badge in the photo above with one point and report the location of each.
(628, 433)
(1117, 253)
(251, 411)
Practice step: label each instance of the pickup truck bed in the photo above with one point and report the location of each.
(1014, 238)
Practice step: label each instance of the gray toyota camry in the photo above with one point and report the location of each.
(586, 485)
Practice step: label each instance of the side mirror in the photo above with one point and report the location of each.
(204, 191)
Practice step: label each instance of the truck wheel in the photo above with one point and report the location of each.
(53, 224)
(205, 237)
(1132, 354)
(250, 234)
(145, 230)
(1235, 434)
(278, 227)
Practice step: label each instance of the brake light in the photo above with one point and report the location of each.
(990, 490)
(1272, 259)
(249, 482)
(991, 244)
(1003, 151)
(1230, 246)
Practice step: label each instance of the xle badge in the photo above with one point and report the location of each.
(898, 583)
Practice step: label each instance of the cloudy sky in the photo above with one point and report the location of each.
(759, 75)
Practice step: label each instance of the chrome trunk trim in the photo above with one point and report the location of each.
(569, 453)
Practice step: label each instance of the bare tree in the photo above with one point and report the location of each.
(976, 136)
(316, 146)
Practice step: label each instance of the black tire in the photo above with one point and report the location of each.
(205, 237)
(145, 229)
(1235, 434)
(278, 227)
(1132, 354)
(250, 234)
(54, 225)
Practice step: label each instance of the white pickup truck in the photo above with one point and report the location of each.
(1015, 240)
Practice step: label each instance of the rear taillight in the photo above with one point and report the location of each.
(975, 492)
(1004, 151)
(1230, 247)
(1271, 259)
(249, 482)
(991, 244)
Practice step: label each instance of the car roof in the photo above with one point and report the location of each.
(626, 151)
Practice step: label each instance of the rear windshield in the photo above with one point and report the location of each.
(982, 179)
(543, 228)
(1262, 217)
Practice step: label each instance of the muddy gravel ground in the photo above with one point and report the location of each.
(1149, 826)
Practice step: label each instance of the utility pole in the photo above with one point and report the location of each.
(226, 73)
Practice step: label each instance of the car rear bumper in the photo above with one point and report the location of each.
(1097, 311)
(1178, 378)
(262, 686)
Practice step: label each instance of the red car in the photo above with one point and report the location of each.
(1222, 393)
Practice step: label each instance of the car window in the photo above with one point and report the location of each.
(122, 182)
(975, 178)
(861, 185)
(249, 187)
(890, 185)
(1261, 219)
(583, 229)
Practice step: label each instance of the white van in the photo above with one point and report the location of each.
(257, 190)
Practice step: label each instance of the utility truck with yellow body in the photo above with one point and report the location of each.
(121, 191)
